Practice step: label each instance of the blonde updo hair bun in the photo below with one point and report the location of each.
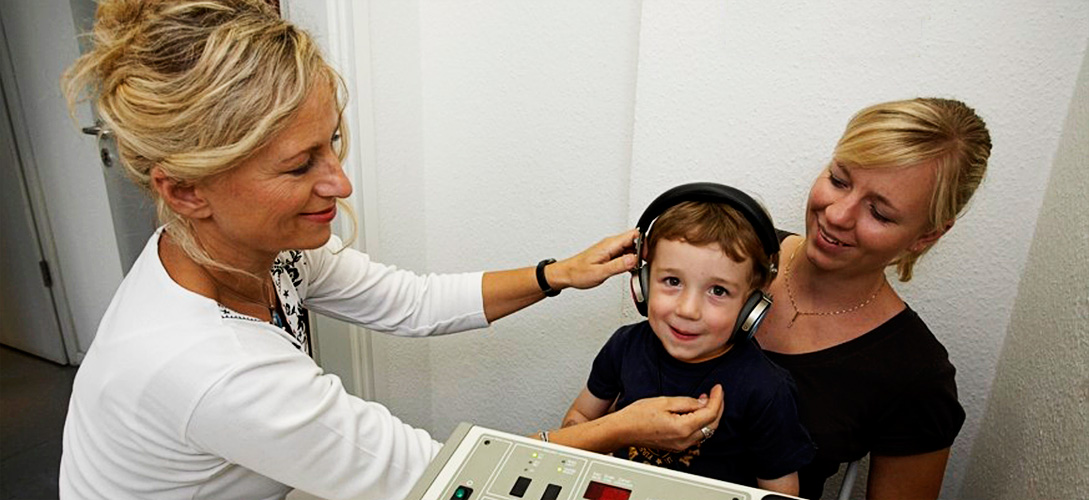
(944, 132)
(195, 86)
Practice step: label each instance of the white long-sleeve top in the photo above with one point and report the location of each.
(182, 398)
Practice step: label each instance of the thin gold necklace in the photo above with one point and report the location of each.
(794, 305)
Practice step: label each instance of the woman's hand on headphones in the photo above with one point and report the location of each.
(589, 268)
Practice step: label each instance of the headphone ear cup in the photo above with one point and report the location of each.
(640, 277)
(635, 288)
(751, 315)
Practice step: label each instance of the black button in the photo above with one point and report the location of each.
(462, 493)
(520, 486)
(551, 492)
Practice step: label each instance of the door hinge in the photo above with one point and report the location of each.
(47, 277)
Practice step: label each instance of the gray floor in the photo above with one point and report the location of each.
(33, 402)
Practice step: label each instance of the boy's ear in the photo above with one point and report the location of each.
(924, 241)
(182, 197)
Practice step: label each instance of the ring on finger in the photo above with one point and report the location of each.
(707, 433)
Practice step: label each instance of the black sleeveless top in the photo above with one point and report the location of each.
(890, 391)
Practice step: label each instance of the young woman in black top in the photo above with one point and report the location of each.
(871, 377)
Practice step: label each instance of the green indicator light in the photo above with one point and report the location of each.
(560, 469)
(460, 493)
(534, 454)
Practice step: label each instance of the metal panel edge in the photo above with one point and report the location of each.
(439, 461)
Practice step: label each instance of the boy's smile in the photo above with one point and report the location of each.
(696, 293)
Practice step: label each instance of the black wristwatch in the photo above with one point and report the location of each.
(542, 282)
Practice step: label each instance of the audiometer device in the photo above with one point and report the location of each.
(477, 463)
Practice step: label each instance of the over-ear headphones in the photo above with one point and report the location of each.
(758, 302)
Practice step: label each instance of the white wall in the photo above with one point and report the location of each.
(41, 39)
(527, 151)
(1033, 438)
(510, 131)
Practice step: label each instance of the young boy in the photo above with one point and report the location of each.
(705, 260)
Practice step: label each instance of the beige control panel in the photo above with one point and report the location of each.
(478, 463)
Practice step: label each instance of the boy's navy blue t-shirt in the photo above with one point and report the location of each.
(759, 435)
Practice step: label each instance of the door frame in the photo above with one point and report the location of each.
(343, 29)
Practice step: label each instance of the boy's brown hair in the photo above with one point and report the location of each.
(704, 223)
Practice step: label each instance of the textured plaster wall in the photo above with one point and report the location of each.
(511, 131)
(526, 123)
(1033, 438)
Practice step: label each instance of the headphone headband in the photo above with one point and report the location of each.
(758, 303)
(715, 193)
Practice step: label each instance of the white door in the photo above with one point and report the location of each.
(63, 179)
(28, 319)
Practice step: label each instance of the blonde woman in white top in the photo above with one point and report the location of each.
(199, 383)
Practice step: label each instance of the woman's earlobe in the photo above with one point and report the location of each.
(929, 238)
(182, 197)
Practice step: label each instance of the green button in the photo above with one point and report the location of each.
(462, 493)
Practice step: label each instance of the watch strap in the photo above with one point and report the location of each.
(542, 282)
